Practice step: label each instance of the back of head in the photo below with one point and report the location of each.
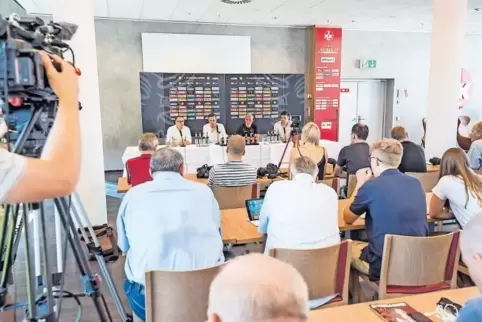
(148, 142)
(258, 288)
(236, 145)
(476, 133)
(166, 160)
(360, 130)
(305, 165)
(454, 162)
(389, 152)
(471, 247)
(310, 134)
(399, 133)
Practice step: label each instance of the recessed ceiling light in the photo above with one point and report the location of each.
(236, 1)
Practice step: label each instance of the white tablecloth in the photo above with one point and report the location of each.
(257, 155)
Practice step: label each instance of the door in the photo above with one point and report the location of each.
(362, 101)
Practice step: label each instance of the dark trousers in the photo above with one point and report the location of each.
(135, 295)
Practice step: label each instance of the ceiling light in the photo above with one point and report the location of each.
(236, 1)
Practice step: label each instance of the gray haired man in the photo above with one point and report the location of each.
(258, 288)
(169, 223)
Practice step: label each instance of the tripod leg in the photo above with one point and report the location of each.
(90, 285)
(47, 273)
(30, 279)
(81, 217)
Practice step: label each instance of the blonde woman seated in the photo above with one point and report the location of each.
(458, 184)
(309, 146)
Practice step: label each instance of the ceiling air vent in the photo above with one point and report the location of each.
(236, 1)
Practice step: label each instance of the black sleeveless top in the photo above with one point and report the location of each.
(321, 165)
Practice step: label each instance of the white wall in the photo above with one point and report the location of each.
(405, 57)
(181, 53)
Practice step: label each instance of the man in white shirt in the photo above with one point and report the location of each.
(300, 214)
(213, 130)
(178, 134)
(283, 127)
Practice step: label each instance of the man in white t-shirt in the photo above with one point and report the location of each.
(283, 127)
(213, 130)
(178, 134)
(300, 214)
(453, 188)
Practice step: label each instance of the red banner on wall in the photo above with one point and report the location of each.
(327, 81)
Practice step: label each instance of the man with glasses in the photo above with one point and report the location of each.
(283, 127)
(178, 134)
(394, 203)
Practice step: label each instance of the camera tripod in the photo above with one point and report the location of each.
(44, 301)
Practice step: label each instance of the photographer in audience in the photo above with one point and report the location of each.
(56, 173)
(169, 223)
(310, 147)
(258, 288)
(393, 203)
(138, 169)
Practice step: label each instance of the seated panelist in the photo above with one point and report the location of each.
(213, 130)
(138, 168)
(248, 128)
(178, 134)
(283, 127)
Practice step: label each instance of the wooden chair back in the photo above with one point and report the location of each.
(414, 265)
(428, 179)
(351, 185)
(235, 197)
(312, 265)
(178, 296)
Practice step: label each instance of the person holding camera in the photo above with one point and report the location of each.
(56, 173)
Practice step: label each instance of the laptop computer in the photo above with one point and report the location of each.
(253, 207)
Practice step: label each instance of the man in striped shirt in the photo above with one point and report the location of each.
(235, 173)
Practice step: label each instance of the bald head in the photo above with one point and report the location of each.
(236, 147)
(258, 288)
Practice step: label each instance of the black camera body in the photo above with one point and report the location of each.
(24, 88)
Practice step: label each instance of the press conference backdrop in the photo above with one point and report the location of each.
(230, 96)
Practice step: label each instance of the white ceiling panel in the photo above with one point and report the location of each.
(407, 15)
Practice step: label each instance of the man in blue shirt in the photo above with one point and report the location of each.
(169, 223)
(471, 246)
(393, 202)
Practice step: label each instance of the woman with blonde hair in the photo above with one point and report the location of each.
(458, 184)
(475, 151)
(309, 146)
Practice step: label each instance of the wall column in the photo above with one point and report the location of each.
(91, 187)
(448, 41)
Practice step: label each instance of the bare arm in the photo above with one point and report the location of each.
(436, 209)
(57, 172)
(348, 216)
(338, 171)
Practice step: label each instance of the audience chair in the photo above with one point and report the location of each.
(414, 265)
(235, 197)
(333, 183)
(428, 179)
(178, 296)
(351, 185)
(315, 265)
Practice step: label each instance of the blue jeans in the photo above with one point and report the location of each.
(135, 295)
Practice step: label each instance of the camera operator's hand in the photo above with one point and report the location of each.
(57, 172)
(64, 83)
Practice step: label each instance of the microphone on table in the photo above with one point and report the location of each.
(182, 139)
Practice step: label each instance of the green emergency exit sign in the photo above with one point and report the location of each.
(367, 64)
